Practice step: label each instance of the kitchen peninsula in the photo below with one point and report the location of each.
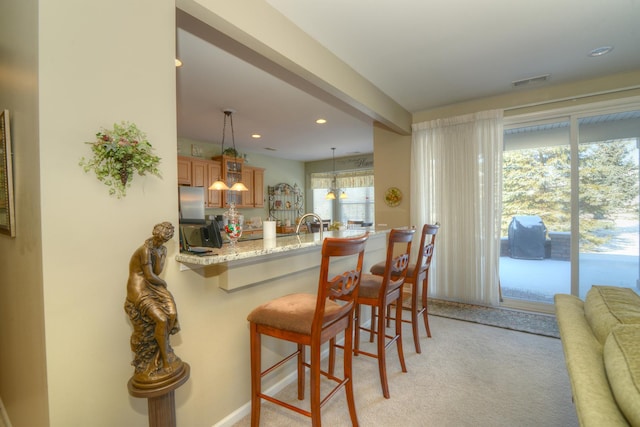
(256, 261)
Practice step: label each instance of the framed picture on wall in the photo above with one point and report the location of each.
(7, 220)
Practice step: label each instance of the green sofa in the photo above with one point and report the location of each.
(601, 341)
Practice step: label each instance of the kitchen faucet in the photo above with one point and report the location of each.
(316, 216)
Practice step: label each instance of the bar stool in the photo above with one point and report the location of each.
(379, 292)
(311, 320)
(416, 276)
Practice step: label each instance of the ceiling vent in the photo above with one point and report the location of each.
(531, 80)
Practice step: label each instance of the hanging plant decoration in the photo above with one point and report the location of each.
(118, 154)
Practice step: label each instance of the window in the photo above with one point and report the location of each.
(359, 204)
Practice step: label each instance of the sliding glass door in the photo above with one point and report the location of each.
(570, 216)
(536, 211)
(608, 200)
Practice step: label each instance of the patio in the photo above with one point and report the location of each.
(540, 280)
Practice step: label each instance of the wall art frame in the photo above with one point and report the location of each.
(7, 211)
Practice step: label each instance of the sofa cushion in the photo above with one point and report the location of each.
(606, 307)
(594, 401)
(622, 362)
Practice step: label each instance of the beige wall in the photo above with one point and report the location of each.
(22, 338)
(391, 154)
(99, 65)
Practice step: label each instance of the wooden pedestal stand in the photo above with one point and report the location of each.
(161, 399)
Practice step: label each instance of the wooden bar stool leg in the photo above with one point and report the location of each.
(424, 306)
(382, 357)
(315, 384)
(357, 327)
(332, 355)
(414, 317)
(301, 371)
(372, 331)
(256, 375)
(399, 334)
(348, 373)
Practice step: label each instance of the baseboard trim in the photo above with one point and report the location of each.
(536, 307)
(245, 409)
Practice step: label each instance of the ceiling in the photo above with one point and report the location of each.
(423, 54)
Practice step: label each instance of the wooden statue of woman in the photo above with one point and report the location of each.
(153, 313)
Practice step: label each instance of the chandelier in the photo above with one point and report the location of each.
(331, 195)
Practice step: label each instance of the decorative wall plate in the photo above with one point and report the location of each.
(393, 197)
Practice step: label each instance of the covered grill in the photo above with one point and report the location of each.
(527, 236)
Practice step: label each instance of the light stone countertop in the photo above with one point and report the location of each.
(256, 248)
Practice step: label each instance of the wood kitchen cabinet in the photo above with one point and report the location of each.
(214, 173)
(258, 187)
(231, 173)
(184, 170)
(197, 172)
(253, 178)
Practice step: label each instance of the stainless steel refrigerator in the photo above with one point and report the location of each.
(191, 205)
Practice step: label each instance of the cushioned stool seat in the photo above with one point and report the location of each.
(378, 269)
(292, 313)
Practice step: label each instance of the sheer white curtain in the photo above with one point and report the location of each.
(456, 171)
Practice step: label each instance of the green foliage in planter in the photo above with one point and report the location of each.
(232, 152)
(118, 154)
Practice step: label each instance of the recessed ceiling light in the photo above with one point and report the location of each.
(178, 63)
(600, 51)
(321, 121)
(256, 136)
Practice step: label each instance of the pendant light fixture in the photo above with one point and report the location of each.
(331, 195)
(228, 112)
(219, 184)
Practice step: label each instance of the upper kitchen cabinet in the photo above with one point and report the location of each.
(253, 178)
(184, 170)
(231, 173)
(197, 172)
(214, 173)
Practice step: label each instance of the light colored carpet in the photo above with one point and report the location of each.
(468, 374)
